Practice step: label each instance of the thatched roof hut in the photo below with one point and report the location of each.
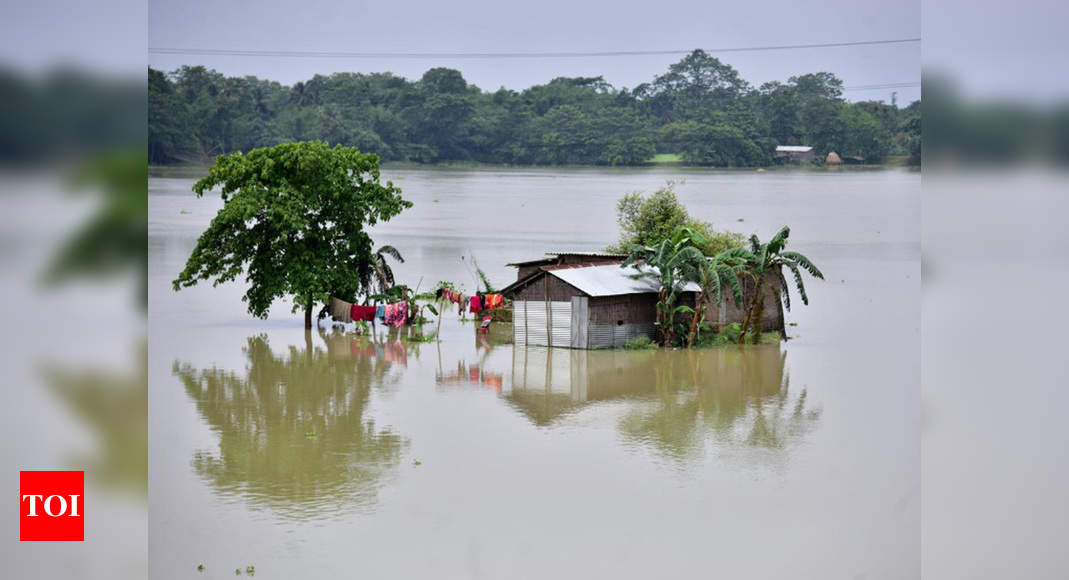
(833, 159)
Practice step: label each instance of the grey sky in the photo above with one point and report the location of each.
(549, 25)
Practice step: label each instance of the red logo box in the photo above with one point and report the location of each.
(52, 506)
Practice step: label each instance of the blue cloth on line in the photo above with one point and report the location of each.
(380, 313)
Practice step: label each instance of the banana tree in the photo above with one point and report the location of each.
(672, 263)
(376, 275)
(770, 259)
(718, 271)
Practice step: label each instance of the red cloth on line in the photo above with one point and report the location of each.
(476, 305)
(366, 313)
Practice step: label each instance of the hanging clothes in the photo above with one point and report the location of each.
(380, 312)
(475, 305)
(494, 301)
(340, 310)
(396, 313)
(363, 313)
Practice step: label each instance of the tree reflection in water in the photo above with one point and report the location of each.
(739, 396)
(292, 432)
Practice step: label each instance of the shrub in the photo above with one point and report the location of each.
(649, 220)
(639, 343)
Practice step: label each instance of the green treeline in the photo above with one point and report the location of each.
(700, 109)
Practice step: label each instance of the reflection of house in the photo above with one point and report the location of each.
(794, 153)
(601, 305)
(547, 383)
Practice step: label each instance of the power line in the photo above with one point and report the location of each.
(495, 55)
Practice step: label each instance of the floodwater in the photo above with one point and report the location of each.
(329, 454)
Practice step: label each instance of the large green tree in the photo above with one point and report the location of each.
(294, 222)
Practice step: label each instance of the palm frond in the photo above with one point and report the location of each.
(785, 290)
(731, 276)
(798, 281)
(804, 262)
(779, 241)
(390, 251)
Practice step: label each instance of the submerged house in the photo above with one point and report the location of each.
(590, 304)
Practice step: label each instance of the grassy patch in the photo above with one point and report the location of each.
(666, 158)
(639, 343)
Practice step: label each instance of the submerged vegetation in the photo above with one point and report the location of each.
(658, 231)
(649, 220)
(698, 112)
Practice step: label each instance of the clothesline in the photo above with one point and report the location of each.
(394, 314)
(475, 303)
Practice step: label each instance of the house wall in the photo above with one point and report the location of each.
(729, 312)
(525, 271)
(628, 308)
(559, 290)
(616, 319)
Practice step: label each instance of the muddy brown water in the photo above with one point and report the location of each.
(330, 454)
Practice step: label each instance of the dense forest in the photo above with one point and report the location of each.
(700, 110)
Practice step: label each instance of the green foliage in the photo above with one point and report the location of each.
(672, 263)
(376, 274)
(294, 222)
(484, 279)
(639, 343)
(764, 260)
(729, 334)
(700, 109)
(649, 220)
(113, 240)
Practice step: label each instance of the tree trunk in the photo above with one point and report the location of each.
(661, 317)
(749, 311)
(756, 319)
(699, 307)
(308, 313)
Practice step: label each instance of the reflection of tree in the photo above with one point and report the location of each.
(739, 395)
(292, 435)
(114, 406)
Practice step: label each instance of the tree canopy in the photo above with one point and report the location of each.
(700, 109)
(648, 220)
(294, 222)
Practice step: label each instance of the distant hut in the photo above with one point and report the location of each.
(598, 306)
(799, 153)
(833, 159)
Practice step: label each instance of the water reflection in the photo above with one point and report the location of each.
(678, 401)
(113, 406)
(292, 432)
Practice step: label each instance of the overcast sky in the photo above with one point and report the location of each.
(548, 25)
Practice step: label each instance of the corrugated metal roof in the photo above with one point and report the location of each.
(532, 262)
(611, 280)
(554, 256)
(794, 148)
(588, 254)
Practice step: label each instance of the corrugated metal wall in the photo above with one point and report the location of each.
(531, 323)
(615, 335)
(580, 322)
